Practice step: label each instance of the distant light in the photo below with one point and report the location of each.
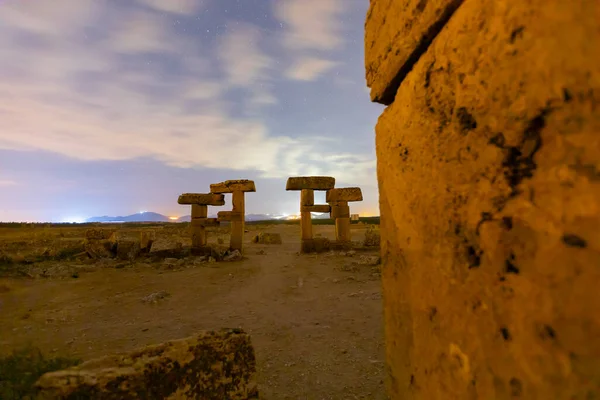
(142, 212)
(173, 218)
(73, 220)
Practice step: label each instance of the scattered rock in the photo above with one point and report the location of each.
(267, 238)
(212, 260)
(233, 256)
(261, 253)
(372, 238)
(146, 239)
(128, 249)
(98, 249)
(349, 268)
(166, 247)
(369, 260)
(220, 241)
(156, 297)
(351, 253)
(98, 234)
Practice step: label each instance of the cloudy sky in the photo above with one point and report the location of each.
(110, 107)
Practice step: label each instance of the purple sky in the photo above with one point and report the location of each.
(110, 107)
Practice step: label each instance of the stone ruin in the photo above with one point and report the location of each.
(488, 159)
(200, 220)
(212, 365)
(237, 216)
(216, 197)
(337, 206)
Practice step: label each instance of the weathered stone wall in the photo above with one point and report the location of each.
(213, 365)
(489, 180)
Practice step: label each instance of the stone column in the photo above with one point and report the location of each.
(198, 229)
(237, 227)
(307, 199)
(237, 215)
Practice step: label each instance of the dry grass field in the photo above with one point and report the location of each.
(315, 320)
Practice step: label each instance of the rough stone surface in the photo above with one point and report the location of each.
(166, 247)
(267, 238)
(397, 33)
(344, 194)
(213, 365)
(488, 168)
(203, 199)
(243, 185)
(310, 182)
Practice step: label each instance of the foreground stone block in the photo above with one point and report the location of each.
(202, 199)
(310, 182)
(397, 33)
(488, 165)
(242, 185)
(213, 365)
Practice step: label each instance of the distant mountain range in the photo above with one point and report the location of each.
(155, 217)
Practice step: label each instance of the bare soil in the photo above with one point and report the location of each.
(315, 320)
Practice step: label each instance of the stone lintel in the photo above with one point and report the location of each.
(230, 216)
(228, 372)
(242, 185)
(203, 199)
(344, 194)
(205, 222)
(318, 208)
(310, 182)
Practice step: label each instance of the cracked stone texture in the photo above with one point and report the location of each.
(489, 180)
(213, 365)
(397, 32)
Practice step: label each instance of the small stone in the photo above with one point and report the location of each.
(268, 238)
(233, 256)
(156, 297)
(369, 260)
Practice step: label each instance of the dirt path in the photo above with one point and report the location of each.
(315, 321)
